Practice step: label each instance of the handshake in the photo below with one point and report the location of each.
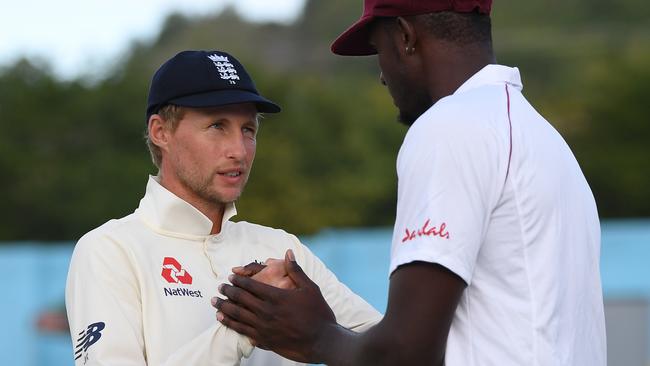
(272, 272)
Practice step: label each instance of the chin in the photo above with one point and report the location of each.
(409, 116)
(406, 119)
(228, 198)
(220, 197)
(231, 197)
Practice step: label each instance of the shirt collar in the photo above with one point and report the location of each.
(492, 74)
(166, 211)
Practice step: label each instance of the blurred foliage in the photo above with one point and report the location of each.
(72, 154)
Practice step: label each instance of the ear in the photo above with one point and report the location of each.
(408, 35)
(159, 133)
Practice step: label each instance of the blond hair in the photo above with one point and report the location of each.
(170, 114)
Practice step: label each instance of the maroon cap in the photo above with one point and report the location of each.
(354, 41)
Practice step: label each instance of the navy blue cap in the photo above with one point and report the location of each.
(204, 79)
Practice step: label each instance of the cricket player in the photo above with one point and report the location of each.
(139, 288)
(496, 243)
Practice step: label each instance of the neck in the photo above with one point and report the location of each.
(211, 210)
(452, 67)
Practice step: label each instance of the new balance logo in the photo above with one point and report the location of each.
(87, 338)
(174, 273)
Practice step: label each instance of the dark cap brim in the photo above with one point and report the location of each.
(218, 98)
(355, 41)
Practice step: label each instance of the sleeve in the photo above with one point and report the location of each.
(351, 311)
(450, 178)
(217, 346)
(103, 303)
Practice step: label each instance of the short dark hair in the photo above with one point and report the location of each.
(460, 28)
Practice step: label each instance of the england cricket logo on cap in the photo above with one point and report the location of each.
(226, 69)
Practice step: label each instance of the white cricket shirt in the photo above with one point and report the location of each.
(139, 288)
(490, 190)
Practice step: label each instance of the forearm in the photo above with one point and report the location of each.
(375, 347)
(300, 325)
(384, 344)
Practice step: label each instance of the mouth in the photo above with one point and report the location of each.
(232, 175)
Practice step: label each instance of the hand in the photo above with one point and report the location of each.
(291, 322)
(271, 272)
(275, 274)
(249, 270)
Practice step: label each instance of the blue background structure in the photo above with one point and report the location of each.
(34, 281)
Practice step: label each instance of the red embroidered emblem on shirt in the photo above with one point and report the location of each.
(174, 273)
(425, 230)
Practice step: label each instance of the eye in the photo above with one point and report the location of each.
(217, 125)
(249, 131)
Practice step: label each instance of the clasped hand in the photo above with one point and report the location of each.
(278, 307)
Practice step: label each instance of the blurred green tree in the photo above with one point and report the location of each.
(72, 154)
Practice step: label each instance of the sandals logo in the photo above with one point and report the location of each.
(427, 230)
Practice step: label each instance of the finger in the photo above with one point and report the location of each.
(236, 312)
(241, 270)
(257, 289)
(241, 296)
(294, 271)
(289, 255)
(238, 327)
(249, 269)
(254, 267)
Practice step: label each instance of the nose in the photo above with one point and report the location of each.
(236, 147)
(381, 78)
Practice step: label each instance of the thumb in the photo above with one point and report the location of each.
(294, 271)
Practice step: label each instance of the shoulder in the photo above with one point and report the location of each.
(271, 240)
(474, 118)
(105, 239)
(255, 232)
(478, 108)
(105, 255)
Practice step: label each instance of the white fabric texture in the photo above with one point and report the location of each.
(151, 312)
(489, 189)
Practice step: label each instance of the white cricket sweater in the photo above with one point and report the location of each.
(139, 288)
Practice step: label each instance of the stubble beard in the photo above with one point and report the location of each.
(412, 105)
(408, 117)
(405, 118)
(202, 187)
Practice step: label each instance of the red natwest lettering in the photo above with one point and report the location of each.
(426, 231)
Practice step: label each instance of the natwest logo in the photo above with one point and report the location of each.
(174, 273)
